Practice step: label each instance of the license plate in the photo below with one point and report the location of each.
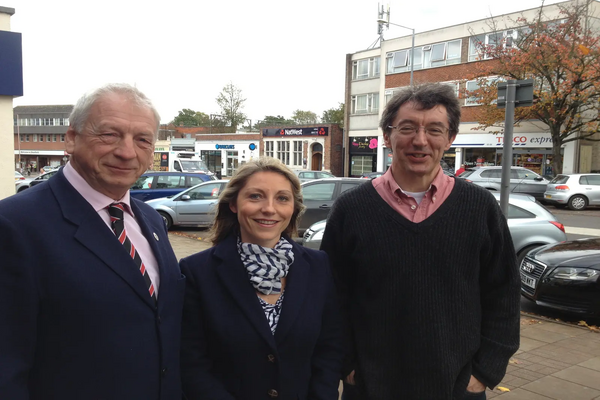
(548, 196)
(528, 281)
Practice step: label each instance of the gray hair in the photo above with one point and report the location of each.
(425, 97)
(226, 220)
(81, 111)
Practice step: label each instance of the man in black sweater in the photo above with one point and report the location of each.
(425, 266)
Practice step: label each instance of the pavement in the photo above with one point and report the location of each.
(556, 360)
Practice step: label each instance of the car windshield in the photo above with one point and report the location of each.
(194, 165)
(466, 173)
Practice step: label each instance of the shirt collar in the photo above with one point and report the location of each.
(393, 187)
(96, 199)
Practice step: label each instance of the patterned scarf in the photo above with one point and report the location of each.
(266, 266)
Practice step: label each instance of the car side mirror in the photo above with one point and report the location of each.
(185, 197)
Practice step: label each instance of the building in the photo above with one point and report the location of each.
(11, 85)
(39, 133)
(446, 55)
(317, 147)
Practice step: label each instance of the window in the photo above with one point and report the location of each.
(365, 103)
(428, 56)
(27, 138)
(269, 146)
(526, 174)
(143, 182)
(62, 138)
(590, 180)
(517, 212)
(474, 85)
(318, 191)
(477, 44)
(361, 164)
(366, 68)
(35, 137)
(54, 138)
(194, 180)
(208, 191)
(22, 138)
(288, 152)
(170, 182)
(297, 156)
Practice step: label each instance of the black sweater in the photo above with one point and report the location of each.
(428, 304)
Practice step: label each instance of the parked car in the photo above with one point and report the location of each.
(577, 191)
(18, 176)
(48, 168)
(27, 183)
(522, 180)
(564, 276)
(531, 225)
(306, 175)
(195, 206)
(319, 196)
(372, 175)
(154, 185)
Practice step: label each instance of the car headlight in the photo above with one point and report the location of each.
(575, 274)
(316, 236)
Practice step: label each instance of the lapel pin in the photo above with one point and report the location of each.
(155, 236)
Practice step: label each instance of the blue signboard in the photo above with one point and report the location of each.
(11, 64)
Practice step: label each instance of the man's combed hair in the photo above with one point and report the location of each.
(226, 221)
(82, 108)
(425, 97)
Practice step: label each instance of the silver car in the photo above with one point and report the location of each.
(531, 225)
(195, 206)
(306, 175)
(522, 180)
(577, 191)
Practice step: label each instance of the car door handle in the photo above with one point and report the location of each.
(325, 206)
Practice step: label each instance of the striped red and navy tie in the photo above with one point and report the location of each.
(116, 220)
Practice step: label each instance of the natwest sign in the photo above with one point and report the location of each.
(319, 131)
(539, 140)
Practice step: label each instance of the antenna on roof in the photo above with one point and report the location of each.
(383, 22)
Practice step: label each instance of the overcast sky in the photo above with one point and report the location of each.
(284, 55)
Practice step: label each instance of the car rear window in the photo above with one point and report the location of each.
(560, 179)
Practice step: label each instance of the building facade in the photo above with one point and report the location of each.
(447, 55)
(39, 136)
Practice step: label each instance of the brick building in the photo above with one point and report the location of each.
(315, 147)
(39, 135)
(447, 55)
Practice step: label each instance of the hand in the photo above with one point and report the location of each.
(474, 385)
(350, 379)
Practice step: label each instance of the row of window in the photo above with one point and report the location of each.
(42, 122)
(288, 152)
(434, 55)
(42, 138)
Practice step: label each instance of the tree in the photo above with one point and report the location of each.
(187, 117)
(563, 58)
(231, 102)
(334, 115)
(304, 117)
(270, 120)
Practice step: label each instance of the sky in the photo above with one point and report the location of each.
(283, 55)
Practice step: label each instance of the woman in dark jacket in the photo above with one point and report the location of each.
(260, 318)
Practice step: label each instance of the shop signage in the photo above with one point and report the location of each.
(224, 146)
(319, 131)
(363, 145)
(539, 140)
(41, 152)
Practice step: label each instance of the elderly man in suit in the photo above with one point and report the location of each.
(90, 290)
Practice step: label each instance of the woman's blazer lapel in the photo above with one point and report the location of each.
(235, 278)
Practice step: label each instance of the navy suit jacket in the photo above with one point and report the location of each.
(76, 320)
(228, 350)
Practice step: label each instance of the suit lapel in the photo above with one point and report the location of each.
(296, 289)
(154, 236)
(235, 279)
(96, 236)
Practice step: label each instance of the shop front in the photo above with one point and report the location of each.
(224, 157)
(531, 151)
(37, 159)
(363, 155)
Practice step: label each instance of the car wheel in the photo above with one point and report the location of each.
(524, 252)
(167, 218)
(577, 203)
(22, 188)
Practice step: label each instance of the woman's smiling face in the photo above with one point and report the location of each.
(264, 208)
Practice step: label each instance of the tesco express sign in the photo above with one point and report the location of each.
(543, 140)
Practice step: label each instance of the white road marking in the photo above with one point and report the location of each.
(582, 231)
